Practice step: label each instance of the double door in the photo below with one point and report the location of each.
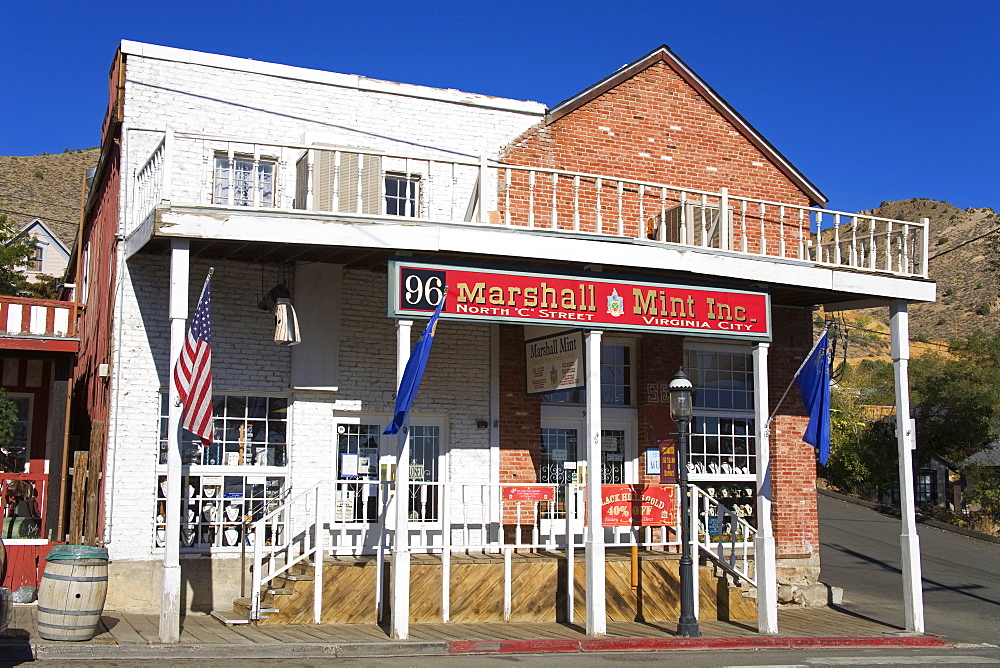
(563, 462)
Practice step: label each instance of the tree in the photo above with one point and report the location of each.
(862, 442)
(8, 421)
(15, 250)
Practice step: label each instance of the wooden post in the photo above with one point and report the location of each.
(94, 461)
(78, 497)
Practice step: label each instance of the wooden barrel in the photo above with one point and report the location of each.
(72, 592)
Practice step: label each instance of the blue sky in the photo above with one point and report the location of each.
(872, 100)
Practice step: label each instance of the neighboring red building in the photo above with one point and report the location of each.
(38, 347)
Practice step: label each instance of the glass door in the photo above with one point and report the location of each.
(425, 454)
(562, 461)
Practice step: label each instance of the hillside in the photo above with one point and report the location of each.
(46, 186)
(968, 288)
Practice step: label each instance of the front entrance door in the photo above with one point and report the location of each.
(563, 459)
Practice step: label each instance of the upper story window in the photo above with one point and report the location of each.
(35, 262)
(402, 194)
(240, 180)
(617, 379)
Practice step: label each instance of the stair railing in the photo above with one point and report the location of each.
(731, 542)
(312, 546)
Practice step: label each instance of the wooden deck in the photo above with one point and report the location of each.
(135, 629)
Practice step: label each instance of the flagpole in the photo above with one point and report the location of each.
(170, 583)
(788, 389)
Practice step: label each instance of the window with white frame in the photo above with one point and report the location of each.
(617, 379)
(723, 421)
(722, 442)
(402, 194)
(242, 180)
(237, 479)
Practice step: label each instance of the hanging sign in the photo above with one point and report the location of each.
(638, 505)
(668, 463)
(554, 362)
(577, 301)
(526, 493)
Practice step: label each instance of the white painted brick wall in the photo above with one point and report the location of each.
(205, 100)
(245, 359)
(202, 99)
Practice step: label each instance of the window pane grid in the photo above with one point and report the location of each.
(358, 501)
(249, 431)
(246, 178)
(616, 380)
(402, 195)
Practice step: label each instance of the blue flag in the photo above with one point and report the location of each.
(414, 371)
(814, 385)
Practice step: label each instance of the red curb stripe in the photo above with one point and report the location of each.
(538, 646)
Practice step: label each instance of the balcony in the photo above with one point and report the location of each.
(219, 175)
(37, 324)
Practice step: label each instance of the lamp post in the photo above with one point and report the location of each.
(681, 391)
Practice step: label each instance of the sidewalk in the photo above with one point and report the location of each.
(130, 636)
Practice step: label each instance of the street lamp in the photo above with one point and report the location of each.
(681, 391)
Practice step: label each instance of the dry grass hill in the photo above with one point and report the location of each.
(46, 186)
(968, 285)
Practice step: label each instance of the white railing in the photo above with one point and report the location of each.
(445, 518)
(723, 535)
(445, 189)
(275, 554)
(150, 184)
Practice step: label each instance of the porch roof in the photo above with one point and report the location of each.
(283, 236)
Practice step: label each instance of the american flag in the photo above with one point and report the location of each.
(193, 371)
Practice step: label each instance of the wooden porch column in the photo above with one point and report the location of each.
(764, 550)
(400, 613)
(597, 621)
(170, 586)
(913, 595)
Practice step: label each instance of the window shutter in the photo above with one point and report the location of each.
(370, 183)
(326, 182)
(301, 181)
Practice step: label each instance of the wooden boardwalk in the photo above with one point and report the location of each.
(134, 629)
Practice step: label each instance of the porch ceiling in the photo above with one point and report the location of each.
(369, 245)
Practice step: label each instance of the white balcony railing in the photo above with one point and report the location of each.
(230, 173)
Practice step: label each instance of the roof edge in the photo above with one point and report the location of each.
(354, 81)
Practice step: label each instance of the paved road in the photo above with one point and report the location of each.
(961, 576)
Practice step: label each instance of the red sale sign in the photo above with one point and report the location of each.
(576, 301)
(525, 493)
(638, 505)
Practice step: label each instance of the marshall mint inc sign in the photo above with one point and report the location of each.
(576, 301)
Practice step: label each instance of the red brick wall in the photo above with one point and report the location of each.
(659, 359)
(653, 127)
(520, 414)
(793, 463)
